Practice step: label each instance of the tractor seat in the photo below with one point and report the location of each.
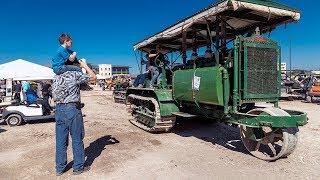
(208, 62)
(178, 67)
(190, 62)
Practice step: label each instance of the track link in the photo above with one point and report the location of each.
(146, 117)
(119, 96)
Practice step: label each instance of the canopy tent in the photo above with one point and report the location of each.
(24, 70)
(241, 16)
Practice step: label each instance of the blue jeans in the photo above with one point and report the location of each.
(69, 120)
(154, 75)
(66, 68)
(140, 79)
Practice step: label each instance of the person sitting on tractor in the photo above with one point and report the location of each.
(155, 55)
(140, 79)
(153, 71)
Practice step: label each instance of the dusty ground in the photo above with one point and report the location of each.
(116, 149)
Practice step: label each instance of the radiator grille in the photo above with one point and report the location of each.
(262, 70)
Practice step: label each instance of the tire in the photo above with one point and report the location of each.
(14, 120)
(309, 99)
(275, 143)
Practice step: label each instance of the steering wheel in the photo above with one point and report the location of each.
(160, 63)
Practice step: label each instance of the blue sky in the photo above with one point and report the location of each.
(105, 31)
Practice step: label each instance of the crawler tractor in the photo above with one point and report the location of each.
(238, 67)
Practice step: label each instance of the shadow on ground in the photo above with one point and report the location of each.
(95, 149)
(40, 121)
(2, 130)
(215, 133)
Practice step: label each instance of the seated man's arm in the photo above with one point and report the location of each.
(152, 54)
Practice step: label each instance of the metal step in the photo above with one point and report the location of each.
(183, 114)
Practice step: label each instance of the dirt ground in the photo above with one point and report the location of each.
(115, 149)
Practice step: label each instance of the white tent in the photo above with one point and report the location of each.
(24, 70)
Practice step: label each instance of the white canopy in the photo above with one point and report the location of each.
(24, 70)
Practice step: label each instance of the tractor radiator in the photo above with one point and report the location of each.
(262, 65)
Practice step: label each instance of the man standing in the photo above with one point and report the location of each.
(17, 91)
(68, 116)
(46, 94)
(155, 71)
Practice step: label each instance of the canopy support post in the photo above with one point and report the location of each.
(194, 43)
(209, 38)
(223, 39)
(184, 47)
(217, 40)
(141, 62)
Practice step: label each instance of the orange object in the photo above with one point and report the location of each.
(315, 89)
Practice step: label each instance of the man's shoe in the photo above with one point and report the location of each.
(85, 169)
(59, 173)
(82, 105)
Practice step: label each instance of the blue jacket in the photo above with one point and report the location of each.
(32, 96)
(60, 58)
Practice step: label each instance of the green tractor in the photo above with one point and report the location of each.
(239, 68)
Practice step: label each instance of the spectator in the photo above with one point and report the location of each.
(17, 91)
(32, 96)
(46, 94)
(69, 120)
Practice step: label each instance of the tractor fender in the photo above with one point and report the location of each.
(163, 96)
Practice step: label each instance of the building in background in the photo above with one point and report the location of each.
(105, 70)
(108, 70)
(120, 70)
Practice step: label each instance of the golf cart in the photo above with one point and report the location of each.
(15, 115)
(3, 105)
